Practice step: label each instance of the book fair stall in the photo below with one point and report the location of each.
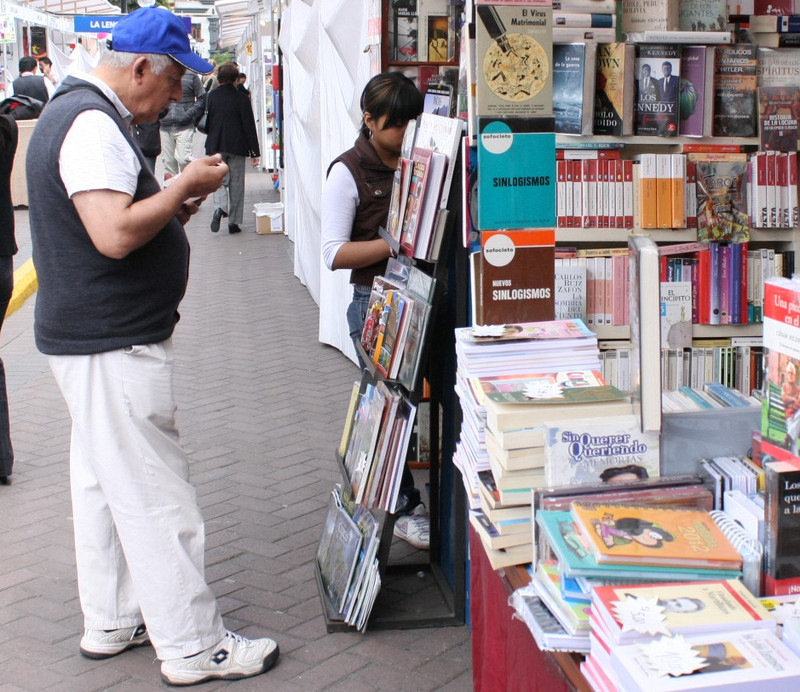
(622, 427)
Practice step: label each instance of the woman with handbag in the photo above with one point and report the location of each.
(231, 132)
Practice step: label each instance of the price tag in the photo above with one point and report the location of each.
(640, 615)
(671, 656)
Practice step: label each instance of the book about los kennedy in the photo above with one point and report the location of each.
(516, 173)
(658, 71)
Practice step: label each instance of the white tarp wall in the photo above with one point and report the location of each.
(325, 69)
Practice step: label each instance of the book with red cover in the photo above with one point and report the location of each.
(420, 165)
(517, 276)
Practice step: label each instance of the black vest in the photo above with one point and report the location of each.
(31, 85)
(374, 182)
(86, 302)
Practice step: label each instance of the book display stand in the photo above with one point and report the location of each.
(416, 588)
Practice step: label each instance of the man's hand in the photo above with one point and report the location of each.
(201, 177)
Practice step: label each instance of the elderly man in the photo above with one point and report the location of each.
(112, 261)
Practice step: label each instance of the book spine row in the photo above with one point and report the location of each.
(735, 367)
(594, 193)
(772, 189)
(606, 288)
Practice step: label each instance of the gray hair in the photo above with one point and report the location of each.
(158, 62)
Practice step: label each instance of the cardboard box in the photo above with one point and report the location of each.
(269, 217)
(269, 224)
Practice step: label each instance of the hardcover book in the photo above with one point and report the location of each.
(573, 87)
(721, 201)
(688, 608)
(658, 71)
(735, 97)
(641, 535)
(614, 89)
(607, 449)
(514, 50)
(778, 114)
(516, 173)
(516, 277)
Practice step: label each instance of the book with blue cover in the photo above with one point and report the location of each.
(516, 173)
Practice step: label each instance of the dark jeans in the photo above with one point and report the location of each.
(356, 314)
(6, 289)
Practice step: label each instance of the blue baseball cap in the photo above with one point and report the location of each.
(157, 30)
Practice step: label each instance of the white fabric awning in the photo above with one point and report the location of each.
(235, 18)
(73, 6)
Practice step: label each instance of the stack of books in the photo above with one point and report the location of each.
(509, 379)
(718, 635)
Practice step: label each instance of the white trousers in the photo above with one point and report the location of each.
(176, 149)
(139, 536)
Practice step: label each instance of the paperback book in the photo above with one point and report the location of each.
(614, 89)
(516, 277)
(658, 70)
(610, 449)
(682, 608)
(576, 559)
(697, 83)
(573, 87)
(516, 173)
(722, 202)
(676, 537)
(778, 114)
(513, 54)
(703, 15)
(752, 660)
(735, 91)
(781, 527)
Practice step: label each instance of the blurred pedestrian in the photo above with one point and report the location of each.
(231, 130)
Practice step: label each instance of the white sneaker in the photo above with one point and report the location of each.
(232, 659)
(414, 528)
(99, 644)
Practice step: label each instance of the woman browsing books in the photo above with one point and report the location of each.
(355, 204)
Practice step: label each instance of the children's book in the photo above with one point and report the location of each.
(678, 537)
(683, 608)
(565, 387)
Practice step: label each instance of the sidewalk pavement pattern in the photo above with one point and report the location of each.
(261, 408)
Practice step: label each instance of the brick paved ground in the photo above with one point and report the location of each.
(261, 409)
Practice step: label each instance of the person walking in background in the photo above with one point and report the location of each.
(211, 81)
(355, 203)
(29, 83)
(231, 132)
(177, 126)
(46, 68)
(241, 79)
(112, 259)
(8, 248)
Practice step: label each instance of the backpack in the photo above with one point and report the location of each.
(21, 107)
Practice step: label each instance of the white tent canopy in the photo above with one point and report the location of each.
(235, 18)
(73, 6)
